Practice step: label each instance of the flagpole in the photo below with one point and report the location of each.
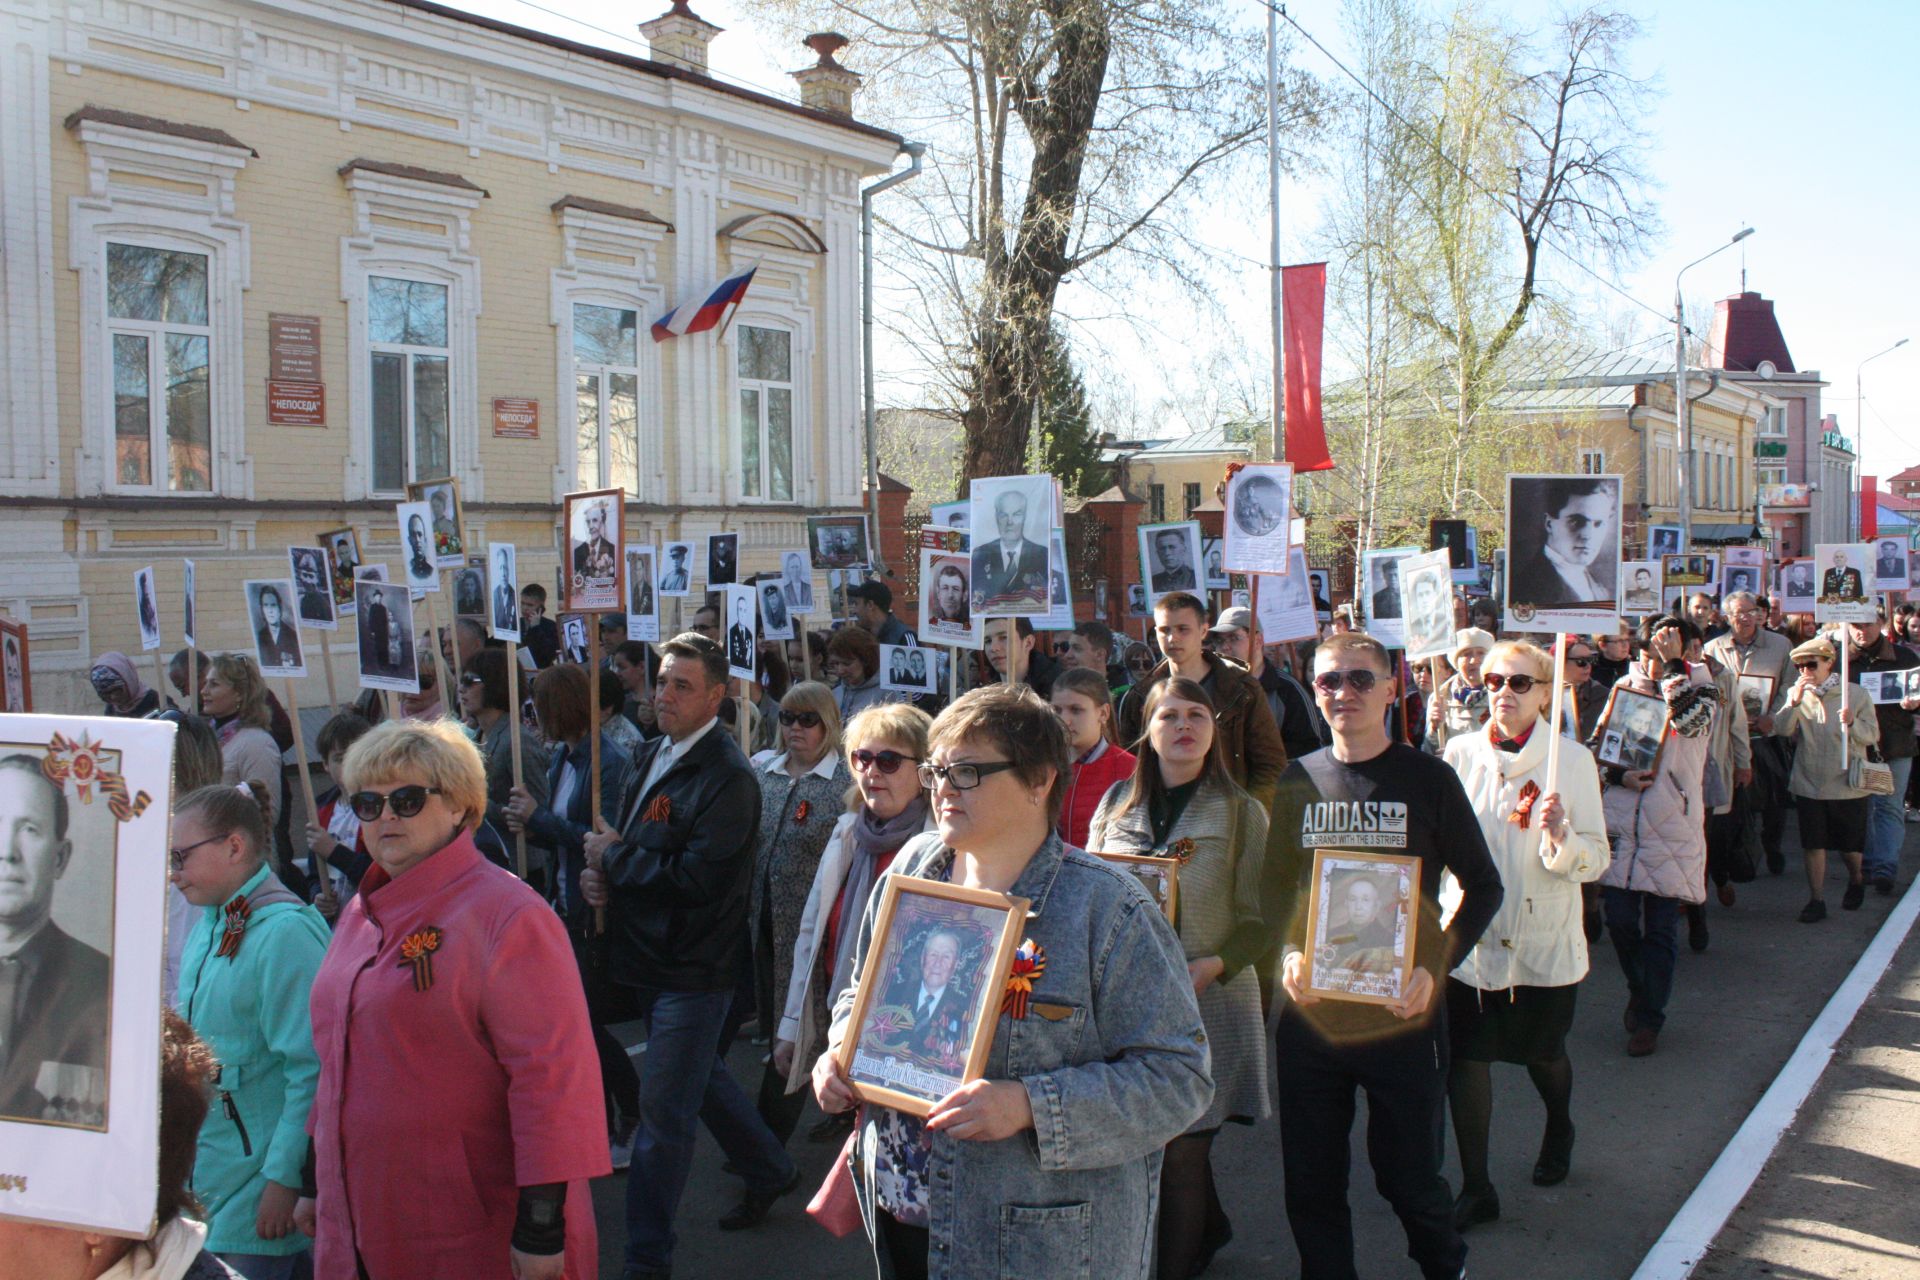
(1273, 247)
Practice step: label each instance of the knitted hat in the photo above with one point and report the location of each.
(1471, 638)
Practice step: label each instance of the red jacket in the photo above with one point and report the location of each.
(1089, 785)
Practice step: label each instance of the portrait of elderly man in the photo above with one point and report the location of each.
(796, 582)
(506, 612)
(1841, 581)
(594, 557)
(53, 987)
(1011, 568)
(941, 1017)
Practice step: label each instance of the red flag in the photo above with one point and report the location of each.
(1869, 509)
(1303, 292)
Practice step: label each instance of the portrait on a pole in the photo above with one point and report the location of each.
(905, 669)
(470, 589)
(188, 603)
(445, 519)
(310, 583)
(1170, 558)
(743, 624)
(276, 638)
(1639, 587)
(776, 619)
(417, 567)
(503, 592)
(1563, 553)
(643, 610)
(946, 607)
(384, 624)
(343, 566)
(1382, 593)
(16, 688)
(595, 524)
(1744, 569)
(796, 582)
(837, 542)
(1427, 581)
(1258, 528)
(676, 569)
(146, 611)
(1797, 592)
(1846, 578)
(1889, 565)
(723, 559)
(1012, 519)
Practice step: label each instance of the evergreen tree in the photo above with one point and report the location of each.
(1064, 441)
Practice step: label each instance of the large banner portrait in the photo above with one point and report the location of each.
(84, 804)
(1011, 522)
(503, 592)
(1846, 582)
(595, 525)
(1258, 532)
(444, 518)
(276, 639)
(1563, 553)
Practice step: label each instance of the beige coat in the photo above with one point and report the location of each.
(1820, 765)
(1729, 749)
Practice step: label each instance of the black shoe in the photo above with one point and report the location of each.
(1814, 912)
(1631, 1019)
(1472, 1208)
(1218, 1237)
(753, 1207)
(1556, 1158)
(1882, 885)
(1593, 925)
(1776, 861)
(1697, 927)
(1854, 896)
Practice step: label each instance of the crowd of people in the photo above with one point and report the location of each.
(409, 1002)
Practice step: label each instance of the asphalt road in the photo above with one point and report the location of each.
(1648, 1128)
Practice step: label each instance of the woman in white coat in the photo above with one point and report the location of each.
(1512, 998)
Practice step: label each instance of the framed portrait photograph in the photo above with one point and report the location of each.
(796, 582)
(1136, 600)
(1632, 730)
(573, 638)
(343, 566)
(1910, 683)
(188, 590)
(16, 668)
(1321, 581)
(146, 609)
(1745, 569)
(1284, 605)
(1058, 615)
(503, 592)
(1427, 619)
(1160, 877)
(276, 637)
(1362, 921)
(1885, 686)
(1011, 521)
(946, 605)
(676, 569)
(1258, 529)
(1662, 540)
(445, 518)
(384, 624)
(312, 588)
(643, 609)
(837, 542)
(1215, 574)
(723, 559)
(595, 523)
(741, 617)
(929, 993)
(1845, 583)
(1756, 696)
(957, 519)
(1639, 587)
(776, 619)
(1563, 544)
(1889, 564)
(1462, 544)
(85, 803)
(417, 567)
(1796, 585)
(470, 589)
(1170, 558)
(906, 668)
(1381, 593)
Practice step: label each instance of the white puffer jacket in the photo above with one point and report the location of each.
(1660, 834)
(1536, 939)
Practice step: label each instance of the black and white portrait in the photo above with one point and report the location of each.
(676, 573)
(1632, 729)
(1427, 582)
(1170, 558)
(723, 559)
(276, 637)
(444, 520)
(16, 694)
(837, 542)
(1564, 535)
(1796, 585)
(776, 619)
(1361, 925)
(417, 568)
(503, 592)
(796, 582)
(1136, 600)
(1284, 605)
(1011, 518)
(1258, 524)
(1662, 540)
(640, 580)
(1640, 587)
(470, 589)
(1322, 581)
(145, 611)
(1380, 589)
(310, 584)
(742, 620)
(1889, 565)
(1216, 573)
(905, 669)
(187, 603)
(384, 624)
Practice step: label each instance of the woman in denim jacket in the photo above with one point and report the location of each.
(1049, 1164)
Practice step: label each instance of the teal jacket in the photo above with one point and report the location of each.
(251, 1009)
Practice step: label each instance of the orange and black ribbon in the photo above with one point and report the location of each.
(1523, 811)
(659, 809)
(239, 911)
(1181, 850)
(801, 811)
(417, 949)
(1029, 962)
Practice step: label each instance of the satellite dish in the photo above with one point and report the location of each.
(1767, 369)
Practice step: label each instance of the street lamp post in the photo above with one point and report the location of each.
(1860, 424)
(1683, 420)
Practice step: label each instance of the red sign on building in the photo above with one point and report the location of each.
(297, 404)
(515, 418)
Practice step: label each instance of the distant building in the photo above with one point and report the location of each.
(1174, 476)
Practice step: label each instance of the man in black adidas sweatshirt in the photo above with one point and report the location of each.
(1367, 793)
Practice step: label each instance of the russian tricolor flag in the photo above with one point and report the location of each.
(714, 309)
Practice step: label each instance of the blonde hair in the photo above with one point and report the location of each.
(900, 723)
(811, 695)
(437, 749)
(242, 675)
(1532, 654)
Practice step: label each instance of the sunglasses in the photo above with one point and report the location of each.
(407, 802)
(1580, 662)
(805, 719)
(1360, 680)
(884, 761)
(1143, 664)
(178, 857)
(471, 681)
(1807, 666)
(1519, 684)
(1062, 647)
(961, 777)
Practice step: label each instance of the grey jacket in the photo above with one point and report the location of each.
(1115, 1063)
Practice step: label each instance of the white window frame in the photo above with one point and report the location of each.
(137, 195)
(154, 333)
(410, 464)
(602, 374)
(781, 297)
(743, 384)
(413, 229)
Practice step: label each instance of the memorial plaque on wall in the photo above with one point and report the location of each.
(515, 418)
(293, 348)
(297, 404)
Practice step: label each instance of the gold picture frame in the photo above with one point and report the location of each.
(1365, 960)
(1622, 733)
(1160, 877)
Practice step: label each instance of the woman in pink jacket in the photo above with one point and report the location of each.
(458, 1114)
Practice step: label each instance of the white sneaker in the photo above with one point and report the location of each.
(620, 1147)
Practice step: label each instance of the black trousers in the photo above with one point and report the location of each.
(1772, 766)
(1405, 1078)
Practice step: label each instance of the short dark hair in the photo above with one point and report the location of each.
(490, 665)
(874, 593)
(632, 650)
(1555, 494)
(1183, 600)
(340, 733)
(695, 647)
(1655, 623)
(534, 591)
(1015, 722)
(1099, 634)
(613, 694)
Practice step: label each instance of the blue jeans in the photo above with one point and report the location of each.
(1887, 824)
(683, 1080)
(1647, 954)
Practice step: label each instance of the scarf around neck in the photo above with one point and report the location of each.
(871, 841)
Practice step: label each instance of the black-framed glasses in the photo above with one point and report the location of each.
(407, 802)
(884, 761)
(961, 777)
(471, 681)
(1140, 664)
(1581, 662)
(178, 857)
(1360, 680)
(1062, 647)
(1519, 684)
(805, 719)
(1809, 665)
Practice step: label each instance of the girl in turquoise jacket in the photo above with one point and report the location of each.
(244, 980)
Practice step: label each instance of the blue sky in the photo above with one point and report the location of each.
(1795, 120)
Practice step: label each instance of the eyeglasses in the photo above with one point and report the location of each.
(178, 857)
(1360, 680)
(407, 802)
(471, 681)
(1062, 647)
(1519, 684)
(1806, 666)
(1140, 664)
(1580, 662)
(961, 777)
(805, 719)
(884, 761)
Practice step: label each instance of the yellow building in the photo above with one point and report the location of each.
(1177, 475)
(265, 262)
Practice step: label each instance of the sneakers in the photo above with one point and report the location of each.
(1814, 912)
(1642, 1043)
(1726, 894)
(620, 1146)
(1854, 896)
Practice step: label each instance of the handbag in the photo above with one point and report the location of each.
(835, 1206)
(1870, 774)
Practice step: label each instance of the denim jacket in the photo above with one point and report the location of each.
(1115, 1063)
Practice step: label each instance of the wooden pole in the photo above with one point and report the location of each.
(326, 657)
(160, 677)
(1557, 713)
(392, 700)
(513, 732)
(593, 748)
(453, 634)
(953, 673)
(325, 882)
(1845, 675)
(439, 661)
(193, 678)
(806, 652)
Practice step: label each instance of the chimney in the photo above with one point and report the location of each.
(679, 37)
(826, 85)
